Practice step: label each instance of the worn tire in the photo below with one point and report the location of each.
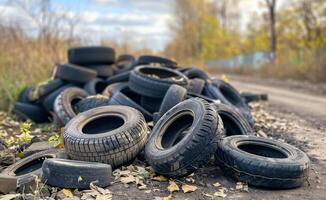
(233, 121)
(74, 73)
(38, 92)
(114, 143)
(126, 97)
(112, 88)
(95, 86)
(150, 104)
(24, 95)
(148, 59)
(92, 102)
(91, 55)
(122, 77)
(173, 96)
(75, 174)
(196, 73)
(103, 71)
(64, 105)
(24, 171)
(196, 85)
(263, 162)
(155, 81)
(35, 113)
(174, 157)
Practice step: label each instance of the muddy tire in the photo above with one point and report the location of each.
(64, 105)
(263, 162)
(88, 136)
(184, 139)
(155, 81)
(75, 174)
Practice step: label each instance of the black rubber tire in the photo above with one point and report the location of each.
(196, 85)
(233, 121)
(74, 73)
(150, 104)
(24, 95)
(208, 99)
(75, 174)
(252, 97)
(91, 55)
(196, 73)
(95, 86)
(203, 131)
(263, 162)
(64, 105)
(41, 91)
(148, 59)
(48, 101)
(103, 71)
(126, 57)
(35, 113)
(126, 97)
(173, 96)
(124, 63)
(227, 94)
(155, 81)
(112, 88)
(92, 102)
(114, 143)
(24, 171)
(122, 77)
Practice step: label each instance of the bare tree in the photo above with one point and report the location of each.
(271, 5)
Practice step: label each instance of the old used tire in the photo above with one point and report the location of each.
(89, 136)
(148, 59)
(74, 73)
(103, 71)
(263, 162)
(91, 102)
(112, 88)
(150, 104)
(43, 90)
(251, 97)
(35, 113)
(75, 174)
(91, 55)
(183, 139)
(173, 96)
(155, 81)
(126, 97)
(196, 73)
(233, 121)
(48, 101)
(95, 86)
(122, 77)
(24, 95)
(64, 105)
(196, 85)
(25, 170)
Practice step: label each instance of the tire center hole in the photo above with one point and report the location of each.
(260, 150)
(176, 131)
(31, 166)
(230, 126)
(103, 124)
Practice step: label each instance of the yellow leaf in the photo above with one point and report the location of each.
(159, 178)
(168, 197)
(67, 193)
(217, 184)
(173, 187)
(220, 193)
(188, 188)
(225, 78)
(80, 178)
(126, 180)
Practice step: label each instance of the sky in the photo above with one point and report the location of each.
(144, 22)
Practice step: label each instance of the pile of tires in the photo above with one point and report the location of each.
(108, 107)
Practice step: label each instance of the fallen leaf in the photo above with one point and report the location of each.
(79, 178)
(9, 196)
(217, 184)
(127, 180)
(67, 193)
(239, 186)
(208, 195)
(188, 188)
(159, 178)
(147, 191)
(168, 197)
(220, 193)
(173, 187)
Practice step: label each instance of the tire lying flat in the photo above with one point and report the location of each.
(108, 134)
(184, 139)
(91, 55)
(74, 73)
(75, 174)
(263, 162)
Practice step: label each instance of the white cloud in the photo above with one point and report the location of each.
(89, 16)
